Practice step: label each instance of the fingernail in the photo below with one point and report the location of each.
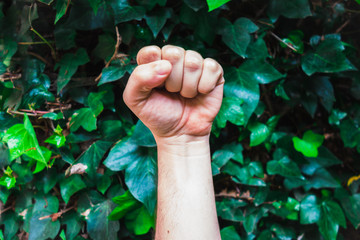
(163, 67)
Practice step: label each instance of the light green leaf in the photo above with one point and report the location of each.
(70, 185)
(84, 118)
(139, 221)
(309, 144)
(259, 133)
(328, 57)
(213, 4)
(58, 139)
(94, 101)
(69, 64)
(21, 139)
(126, 203)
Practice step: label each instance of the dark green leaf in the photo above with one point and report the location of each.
(310, 210)
(142, 136)
(69, 64)
(230, 209)
(229, 233)
(156, 19)
(85, 118)
(98, 224)
(237, 36)
(70, 185)
(284, 167)
(289, 9)
(232, 111)
(328, 57)
(124, 12)
(73, 224)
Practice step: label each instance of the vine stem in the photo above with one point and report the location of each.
(114, 56)
(279, 39)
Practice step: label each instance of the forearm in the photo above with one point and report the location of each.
(186, 202)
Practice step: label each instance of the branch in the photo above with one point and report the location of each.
(279, 39)
(55, 216)
(114, 56)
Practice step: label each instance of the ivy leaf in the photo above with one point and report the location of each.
(70, 185)
(350, 133)
(21, 139)
(237, 36)
(350, 204)
(84, 118)
(260, 70)
(57, 138)
(140, 170)
(310, 210)
(156, 19)
(94, 101)
(11, 224)
(289, 9)
(98, 224)
(222, 156)
(230, 209)
(73, 223)
(139, 221)
(142, 135)
(309, 144)
(113, 73)
(93, 155)
(61, 6)
(229, 233)
(321, 178)
(232, 111)
(284, 167)
(69, 64)
(336, 116)
(328, 57)
(126, 202)
(259, 133)
(239, 85)
(124, 12)
(214, 4)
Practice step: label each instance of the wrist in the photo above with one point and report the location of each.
(184, 145)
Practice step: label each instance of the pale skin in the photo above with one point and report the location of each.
(177, 94)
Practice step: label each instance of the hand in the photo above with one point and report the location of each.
(175, 92)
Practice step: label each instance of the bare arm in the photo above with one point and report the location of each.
(177, 94)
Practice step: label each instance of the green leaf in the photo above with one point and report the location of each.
(21, 139)
(61, 6)
(142, 135)
(230, 209)
(310, 210)
(156, 19)
(98, 224)
(229, 233)
(124, 12)
(69, 64)
(245, 175)
(351, 206)
(113, 73)
(259, 133)
(213, 4)
(336, 116)
(309, 144)
(93, 155)
(126, 203)
(232, 111)
(252, 217)
(58, 139)
(284, 167)
(237, 36)
(325, 91)
(289, 9)
(139, 221)
(260, 70)
(70, 185)
(94, 101)
(11, 224)
(84, 118)
(222, 156)
(140, 170)
(334, 212)
(350, 133)
(328, 57)
(321, 179)
(73, 224)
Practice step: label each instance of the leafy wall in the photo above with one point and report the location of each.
(76, 164)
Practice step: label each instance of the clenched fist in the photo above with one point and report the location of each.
(175, 92)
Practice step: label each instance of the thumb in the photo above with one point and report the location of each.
(145, 78)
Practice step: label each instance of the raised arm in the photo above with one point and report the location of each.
(177, 94)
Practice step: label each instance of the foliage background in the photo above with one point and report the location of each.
(76, 164)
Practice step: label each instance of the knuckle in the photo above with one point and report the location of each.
(212, 65)
(173, 53)
(148, 54)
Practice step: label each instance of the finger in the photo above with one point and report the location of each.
(148, 54)
(175, 55)
(211, 76)
(143, 79)
(193, 65)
